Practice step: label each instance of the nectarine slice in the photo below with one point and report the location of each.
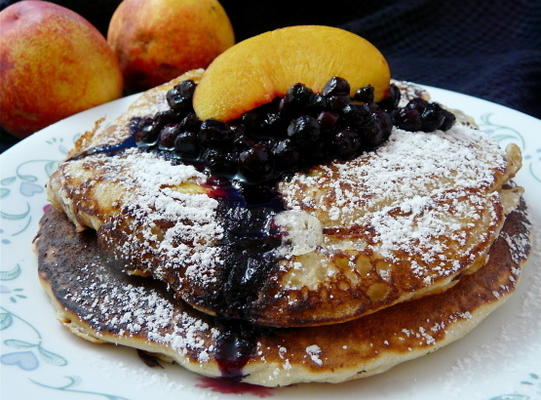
(256, 70)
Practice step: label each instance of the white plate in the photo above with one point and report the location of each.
(39, 359)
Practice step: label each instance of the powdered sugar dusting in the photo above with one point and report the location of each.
(173, 227)
(314, 353)
(408, 165)
(420, 197)
(131, 311)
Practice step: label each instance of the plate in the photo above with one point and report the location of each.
(39, 359)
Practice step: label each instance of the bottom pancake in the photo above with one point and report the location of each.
(102, 305)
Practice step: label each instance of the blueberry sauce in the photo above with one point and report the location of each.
(127, 143)
(235, 345)
(249, 242)
(289, 134)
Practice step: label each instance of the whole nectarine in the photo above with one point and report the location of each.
(53, 63)
(157, 40)
(260, 68)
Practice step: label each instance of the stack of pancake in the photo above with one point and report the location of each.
(382, 259)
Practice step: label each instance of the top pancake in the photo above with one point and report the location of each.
(392, 225)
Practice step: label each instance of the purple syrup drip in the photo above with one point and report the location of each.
(246, 211)
(107, 149)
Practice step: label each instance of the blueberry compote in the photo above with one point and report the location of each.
(246, 157)
(291, 133)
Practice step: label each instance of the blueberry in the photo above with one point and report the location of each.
(148, 132)
(252, 120)
(219, 163)
(327, 119)
(136, 123)
(285, 154)
(180, 96)
(432, 117)
(165, 117)
(364, 94)
(269, 141)
(271, 122)
(177, 102)
(296, 98)
(303, 130)
(243, 142)
(377, 130)
(391, 101)
(408, 119)
(284, 108)
(213, 133)
(355, 115)
(186, 88)
(237, 129)
(298, 94)
(186, 144)
(317, 103)
(449, 120)
(417, 103)
(190, 122)
(255, 164)
(336, 86)
(346, 143)
(168, 134)
(337, 102)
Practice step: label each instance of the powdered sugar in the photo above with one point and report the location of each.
(412, 197)
(132, 311)
(162, 217)
(314, 353)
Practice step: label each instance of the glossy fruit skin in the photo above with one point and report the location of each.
(309, 54)
(327, 119)
(420, 115)
(168, 134)
(390, 102)
(304, 130)
(408, 119)
(256, 163)
(53, 63)
(432, 117)
(213, 133)
(180, 96)
(336, 86)
(364, 94)
(448, 121)
(157, 40)
(186, 144)
(286, 154)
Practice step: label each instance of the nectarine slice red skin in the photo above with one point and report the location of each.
(258, 69)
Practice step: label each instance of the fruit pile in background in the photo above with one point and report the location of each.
(54, 63)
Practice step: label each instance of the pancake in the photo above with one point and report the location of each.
(100, 304)
(352, 237)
